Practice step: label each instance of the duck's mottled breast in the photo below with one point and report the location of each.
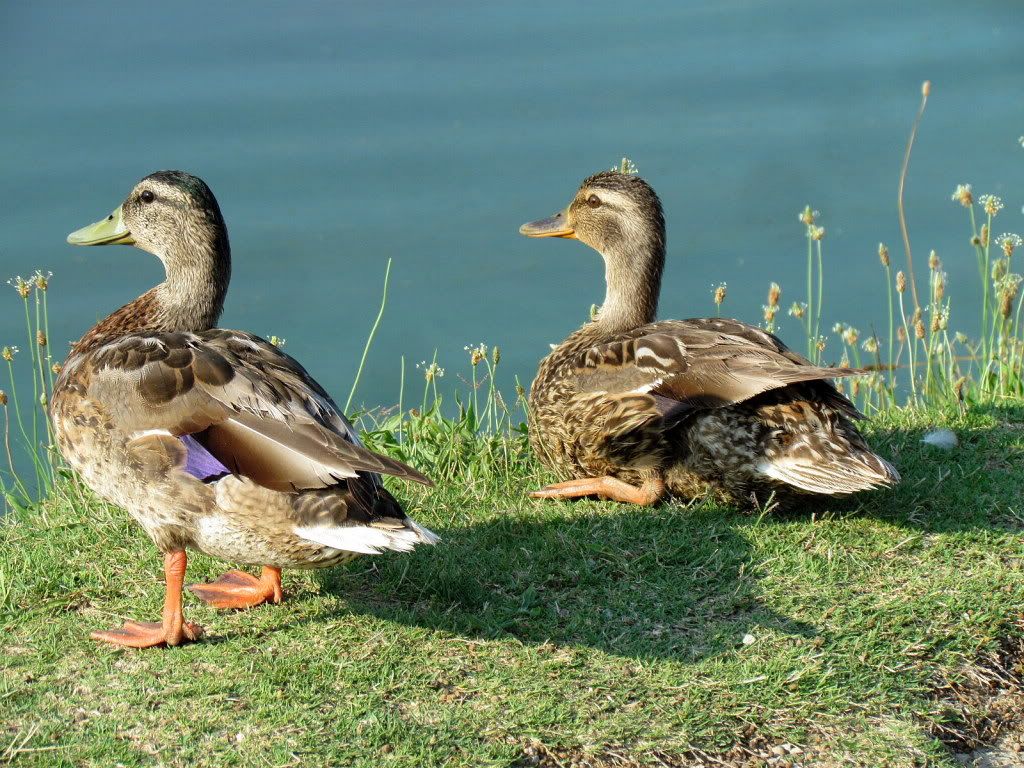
(554, 379)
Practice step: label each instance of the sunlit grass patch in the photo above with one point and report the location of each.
(554, 633)
(587, 629)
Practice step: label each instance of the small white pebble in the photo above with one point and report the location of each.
(941, 438)
(748, 639)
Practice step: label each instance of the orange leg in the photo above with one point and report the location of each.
(237, 589)
(606, 487)
(173, 630)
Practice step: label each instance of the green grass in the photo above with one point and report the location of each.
(537, 632)
(560, 634)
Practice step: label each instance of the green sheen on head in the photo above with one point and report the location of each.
(192, 186)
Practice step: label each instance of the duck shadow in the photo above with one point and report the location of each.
(668, 583)
(676, 582)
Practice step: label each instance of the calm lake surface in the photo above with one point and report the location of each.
(337, 136)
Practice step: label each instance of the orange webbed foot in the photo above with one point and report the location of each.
(148, 634)
(237, 589)
(173, 630)
(606, 487)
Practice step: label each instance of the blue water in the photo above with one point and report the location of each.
(337, 136)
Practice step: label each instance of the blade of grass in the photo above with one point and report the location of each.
(369, 339)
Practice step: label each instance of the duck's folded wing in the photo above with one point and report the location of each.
(688, 364)
(251, 406)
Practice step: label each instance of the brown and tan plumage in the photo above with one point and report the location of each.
(213, 440)
(630, 408)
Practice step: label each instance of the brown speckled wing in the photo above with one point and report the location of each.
(254, 408)
(691, 364)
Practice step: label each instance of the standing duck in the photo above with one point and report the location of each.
(213, 440)
(631, 409)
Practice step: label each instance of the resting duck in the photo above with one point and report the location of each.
(630, 408)
(213, 440)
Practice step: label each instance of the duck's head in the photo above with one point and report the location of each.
(619, 215)
(174, 216)
(610, 212)
(170, 214)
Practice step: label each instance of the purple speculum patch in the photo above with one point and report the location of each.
(200, 463)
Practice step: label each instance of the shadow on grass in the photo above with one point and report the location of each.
(671, 582)
(675, 582)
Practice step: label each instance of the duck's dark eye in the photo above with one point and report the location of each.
(594, 201)
(146, 196)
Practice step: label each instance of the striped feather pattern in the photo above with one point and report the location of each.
(706, 403)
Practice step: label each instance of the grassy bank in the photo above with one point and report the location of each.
(541, 633)
(558, 634)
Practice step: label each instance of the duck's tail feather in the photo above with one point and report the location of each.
(833, 475)
(360, 516)
(426, 536)
(814, 446)
(370, 539)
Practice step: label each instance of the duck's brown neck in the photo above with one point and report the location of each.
(633, 271)
(190, 299)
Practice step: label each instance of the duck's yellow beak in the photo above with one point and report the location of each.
(552, 226)
(109, 231)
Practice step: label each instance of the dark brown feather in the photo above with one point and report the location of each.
(698, 403)
(153, 404)
(259, 411)
(699, 363)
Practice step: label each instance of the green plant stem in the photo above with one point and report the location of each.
(426, 384)
(821, 284)
(1019, 361)
(35, 386)
(975, 241)
(369, 340)
(952, 369)
(401, 398)
(46, 330)
(904, 231)
(44, 400)
(811, 345)
(892, 331)
(928, 351)
(476, 402)
(17, 410)
(933, 309)
(911, 343)
(986, 307)
(10, 457)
